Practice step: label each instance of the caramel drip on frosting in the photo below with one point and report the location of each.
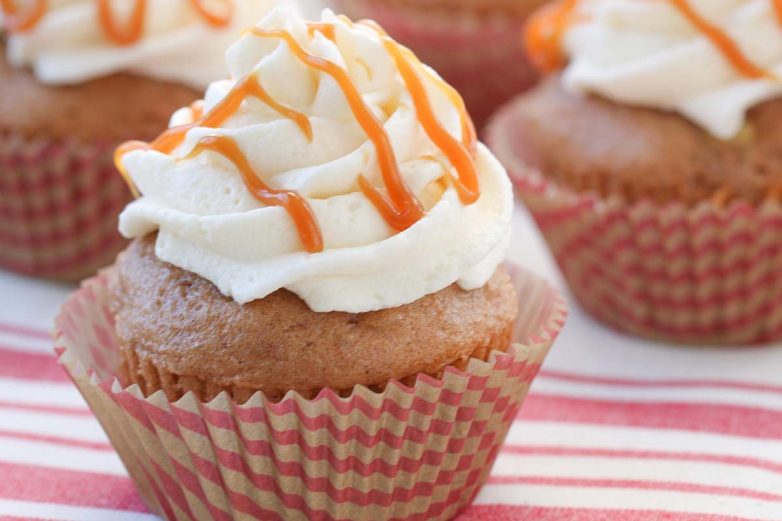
(135, 26)
(727, 47)
(546, 28)
(399, 207)
(544, 32)
(293, 203)
(458, 154)
(778, 9)
(130, 34)
(16, 21)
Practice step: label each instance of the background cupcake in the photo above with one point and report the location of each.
(475, 44)
(314, 298)
(77, 79)
(652, 162)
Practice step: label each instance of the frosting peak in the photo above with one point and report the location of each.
(709, 60)
(332, 164)
(72, 41)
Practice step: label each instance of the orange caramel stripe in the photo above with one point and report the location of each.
(543, 35)
(457, 152)
(778, 9)
(132, 31)
(18, 22)
(400, 208)
(729, 49)
(215, 20)
(293, 203)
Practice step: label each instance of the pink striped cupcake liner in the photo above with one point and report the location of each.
(479, 50)
(59, 202)
(419, 452)
(695, 275)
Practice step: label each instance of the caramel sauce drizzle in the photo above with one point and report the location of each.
(19, 22)
(545, 30)
(293, 203)
(778, 9)
(729, 49)
(130, 34)
(457, 152)
(400, 208)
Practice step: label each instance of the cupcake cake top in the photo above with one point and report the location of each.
(333, 164)
(72, 41)
(709, 60)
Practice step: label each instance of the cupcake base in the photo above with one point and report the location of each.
(703, 274)
(59, 202)
(412, 452)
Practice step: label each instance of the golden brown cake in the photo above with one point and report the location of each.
(113, 108)
(587, 143)
(178, 333)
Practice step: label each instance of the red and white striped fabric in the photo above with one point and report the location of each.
(615, 429)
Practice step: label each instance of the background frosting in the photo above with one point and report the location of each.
(646, 53)
(211, 225)
(68, 45)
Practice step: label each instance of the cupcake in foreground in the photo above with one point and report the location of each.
(313, 319)
(475, 44)
(652, 162)
(76, 80)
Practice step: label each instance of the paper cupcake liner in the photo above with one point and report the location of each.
(478, 50)
(419, 452)
(696, 275)
(59, 202)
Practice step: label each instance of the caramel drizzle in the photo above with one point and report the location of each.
(293, 203)
(545, 30)
(400, 208)
(130, 34)
(729, 49)
(19, 22)
(777, 9)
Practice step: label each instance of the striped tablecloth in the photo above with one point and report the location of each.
(615, 428)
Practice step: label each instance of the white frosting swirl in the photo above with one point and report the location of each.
(647, 53)
(210, 224)
(68, 45)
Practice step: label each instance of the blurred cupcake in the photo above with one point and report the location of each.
(653, 162)
(312, 319)
(77, 79)
(476, 45)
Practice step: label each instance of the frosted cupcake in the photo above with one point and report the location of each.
(314, 298)
(652, 162)
(77, 79)
(475, 44)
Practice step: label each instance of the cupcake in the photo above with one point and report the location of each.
(313, 319)
(650, 159)
(76, 80)
(475, 44)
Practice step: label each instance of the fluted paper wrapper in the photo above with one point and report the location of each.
(59, 203)
(476, 45)
(418, 452)
(694, 275)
